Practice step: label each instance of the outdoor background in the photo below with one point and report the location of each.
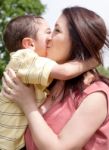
(50, 10)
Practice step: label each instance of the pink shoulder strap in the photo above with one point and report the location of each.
(95, 87)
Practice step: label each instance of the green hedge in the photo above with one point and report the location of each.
(103, 71)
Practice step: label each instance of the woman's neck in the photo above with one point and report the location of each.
(55, 96)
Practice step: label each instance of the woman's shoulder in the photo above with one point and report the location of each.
(97, 86)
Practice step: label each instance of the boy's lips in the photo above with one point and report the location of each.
(49, 45)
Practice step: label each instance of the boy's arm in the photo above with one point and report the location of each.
(33, 69)
(26, 65)
(72, 69)
(39, 70)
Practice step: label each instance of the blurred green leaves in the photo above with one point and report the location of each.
(10, 9)
(103, 71)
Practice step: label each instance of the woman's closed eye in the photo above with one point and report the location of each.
(56, 30)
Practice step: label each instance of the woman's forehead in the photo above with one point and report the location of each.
(61, 21)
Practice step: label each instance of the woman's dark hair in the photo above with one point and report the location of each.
(88, 35)
(19, 28)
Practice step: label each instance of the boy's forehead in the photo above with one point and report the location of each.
(40, 20)
(43, 23)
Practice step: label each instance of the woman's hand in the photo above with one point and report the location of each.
(18, 92)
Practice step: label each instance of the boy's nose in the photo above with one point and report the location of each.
(50, 37)
(49, 43)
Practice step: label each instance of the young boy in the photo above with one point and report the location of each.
(26, 38)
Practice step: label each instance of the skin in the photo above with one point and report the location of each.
(85, 121)
(40, 43)
(43, 35)
(46, 47)
(58, 45)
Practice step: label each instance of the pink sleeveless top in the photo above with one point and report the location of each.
(60, 113)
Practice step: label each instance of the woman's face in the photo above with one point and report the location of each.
(59, 47)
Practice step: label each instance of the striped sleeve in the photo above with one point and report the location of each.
(31, 68)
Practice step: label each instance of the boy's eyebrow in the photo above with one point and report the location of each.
(49, 29)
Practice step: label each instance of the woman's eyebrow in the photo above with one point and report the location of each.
(49, 29)
(57, 25)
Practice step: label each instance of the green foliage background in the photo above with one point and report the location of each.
(103, 71)
(10, 9)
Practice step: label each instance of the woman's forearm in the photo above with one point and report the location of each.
(42, 134)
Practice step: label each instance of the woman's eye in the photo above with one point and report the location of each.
(56, 30)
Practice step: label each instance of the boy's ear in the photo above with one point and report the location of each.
(28, 43)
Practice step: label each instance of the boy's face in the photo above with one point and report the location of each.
(43, 35)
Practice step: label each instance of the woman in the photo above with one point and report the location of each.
(75, 115)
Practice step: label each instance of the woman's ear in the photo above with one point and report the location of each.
(28, 43)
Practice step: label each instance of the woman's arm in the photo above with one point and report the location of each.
(82, 125)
